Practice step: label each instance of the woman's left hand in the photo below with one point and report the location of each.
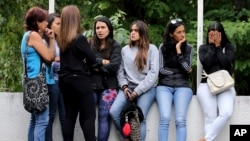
(133, 96)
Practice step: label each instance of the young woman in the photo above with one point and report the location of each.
(55, 96)
(173, 85)
(76, 58)
(216, 54)
(104, 77)
(138, 73)
(37, 52)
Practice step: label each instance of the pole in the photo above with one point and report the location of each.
(51, 6)
(200, 38)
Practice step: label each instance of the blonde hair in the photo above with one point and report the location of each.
(70, 26)
(142, 43)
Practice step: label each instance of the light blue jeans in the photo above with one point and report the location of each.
(38, 125)
(217, 109)
(178, 97)
(144, 101)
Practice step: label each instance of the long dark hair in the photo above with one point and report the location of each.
(217, 26)
(109, 40)
(168, 42)
(142, 43)
(50, 20)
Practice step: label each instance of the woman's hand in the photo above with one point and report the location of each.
(49, 33)
(133, 96)
(127, 92)
(217, 38)
(105, 61)
(178, 45)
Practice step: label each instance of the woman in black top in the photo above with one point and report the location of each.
(216, 54)
(173, 85)
(74, 76)
(104, 77)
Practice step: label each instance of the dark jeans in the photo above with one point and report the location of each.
(55, 101)
(104, 99)
(78, 98)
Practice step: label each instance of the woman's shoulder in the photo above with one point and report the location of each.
(153, 47)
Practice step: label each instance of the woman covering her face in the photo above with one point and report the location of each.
(216, 54)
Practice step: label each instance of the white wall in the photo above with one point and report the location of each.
(14, 121)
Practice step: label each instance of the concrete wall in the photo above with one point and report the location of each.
(14, 121)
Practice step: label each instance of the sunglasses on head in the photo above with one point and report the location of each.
(174, 21)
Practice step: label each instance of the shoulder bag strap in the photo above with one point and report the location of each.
(42, 67)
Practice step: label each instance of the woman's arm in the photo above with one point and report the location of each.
(47, 53)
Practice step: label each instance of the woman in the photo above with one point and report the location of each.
(37, 51)
(76, 58)
(55, 96)
(104, 77)
(216, 54)
(138, 73)
(173, 85)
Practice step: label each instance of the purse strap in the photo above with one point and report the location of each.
(42, 67)
(204, 74)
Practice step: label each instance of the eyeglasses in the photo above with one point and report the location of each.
(174, 21)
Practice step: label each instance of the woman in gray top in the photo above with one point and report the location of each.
(137, 75)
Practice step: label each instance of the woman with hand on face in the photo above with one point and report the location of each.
(216, 54)
(55, 96)
(137, 75)
(173, 84)
(104, 76)
(37, 52)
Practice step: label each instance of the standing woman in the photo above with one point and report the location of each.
(37, 52)
(138, 73)
(104, 77)
(76, 58)
(55, 96)
(173, 85)
(216, 54)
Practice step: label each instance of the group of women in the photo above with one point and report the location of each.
(100, 71)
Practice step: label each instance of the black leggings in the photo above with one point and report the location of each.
(78, 98)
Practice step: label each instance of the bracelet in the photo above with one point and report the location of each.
(124, 87)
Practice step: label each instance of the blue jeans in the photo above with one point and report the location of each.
(38, 125)
(55, 101)
(104, 99)
(180, 98)
(144, 101)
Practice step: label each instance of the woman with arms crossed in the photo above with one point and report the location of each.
(104, 77)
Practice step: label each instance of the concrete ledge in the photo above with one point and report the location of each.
(14, 121)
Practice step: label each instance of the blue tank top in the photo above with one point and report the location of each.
(34, 61)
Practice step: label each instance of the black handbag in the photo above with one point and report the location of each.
(35, 90)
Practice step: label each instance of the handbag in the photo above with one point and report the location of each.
(35, 90)
(219, 81)
(131, 118)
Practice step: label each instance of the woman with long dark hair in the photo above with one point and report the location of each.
(216, 54)
(173, 85)
(104, 77)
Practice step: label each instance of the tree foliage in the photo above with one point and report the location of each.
(233, 14)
